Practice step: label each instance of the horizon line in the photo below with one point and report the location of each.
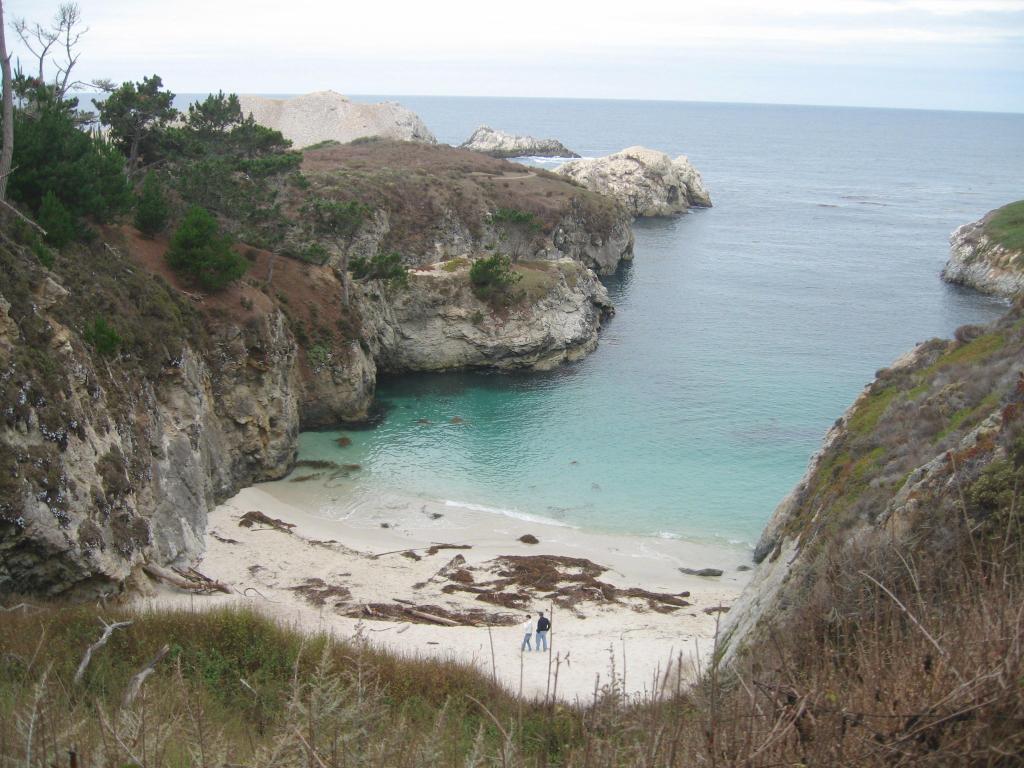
(604, 98)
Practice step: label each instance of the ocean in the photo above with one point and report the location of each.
(742, 331)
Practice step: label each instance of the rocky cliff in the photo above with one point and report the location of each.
(932, 442)
(500, 144)
(126, 415)
(645, 181)
(436, 323)
(988, 255)
(328, 116)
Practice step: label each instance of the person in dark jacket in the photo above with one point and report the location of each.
(543, 625)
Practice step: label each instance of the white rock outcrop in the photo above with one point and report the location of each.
(497, 143)
(329, 116)
(646, 181)
(977, 262)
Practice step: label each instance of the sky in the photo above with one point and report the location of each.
(923, 54)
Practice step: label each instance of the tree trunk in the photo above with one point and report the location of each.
(7, 145)
(343, 274)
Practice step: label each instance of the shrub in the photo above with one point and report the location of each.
(102, 336)
(331, 217)
(492, 277)
(202, 254)
(383, 266)
(314, 253)
(151, 210)
(517, 230)
(57, 221)
(44, 254)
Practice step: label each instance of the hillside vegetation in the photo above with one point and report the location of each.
(1006, 226)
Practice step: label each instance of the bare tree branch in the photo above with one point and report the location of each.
(108, 630)
(7, 114)
(135, 685)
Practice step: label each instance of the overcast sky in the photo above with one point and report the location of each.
(940, 54)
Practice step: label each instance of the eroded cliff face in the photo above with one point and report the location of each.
(109, 458)
(929, 440)
(437, 324)
(978, 260)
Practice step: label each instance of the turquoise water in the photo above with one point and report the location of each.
(742, 331)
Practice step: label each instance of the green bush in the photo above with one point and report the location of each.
(102, 337)
(331, 217)
(151, 209)
(44, 254)
(314, 253)
(202, 254)
(516, 217)
(492, 277)
(383, 266)
(57, 221)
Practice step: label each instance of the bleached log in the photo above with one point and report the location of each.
(431, 617)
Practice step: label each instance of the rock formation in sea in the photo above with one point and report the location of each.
(647, 182)
(328, 116)
(981, 259)
(497, 143)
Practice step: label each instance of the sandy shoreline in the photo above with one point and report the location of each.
(355, 566)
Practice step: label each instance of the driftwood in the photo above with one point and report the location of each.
(108, 630)
(135, 685)
(190, 581)
(255, 517)
(431, 617)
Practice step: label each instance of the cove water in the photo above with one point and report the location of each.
(742, 332)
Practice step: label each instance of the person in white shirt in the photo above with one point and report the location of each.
(527, 627)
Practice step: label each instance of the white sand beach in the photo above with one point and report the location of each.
(314, 574)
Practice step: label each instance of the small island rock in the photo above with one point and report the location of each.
(500, 144)
(646, 181)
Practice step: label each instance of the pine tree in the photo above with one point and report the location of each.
(202, 254)
(57, 220)
(151, 210)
